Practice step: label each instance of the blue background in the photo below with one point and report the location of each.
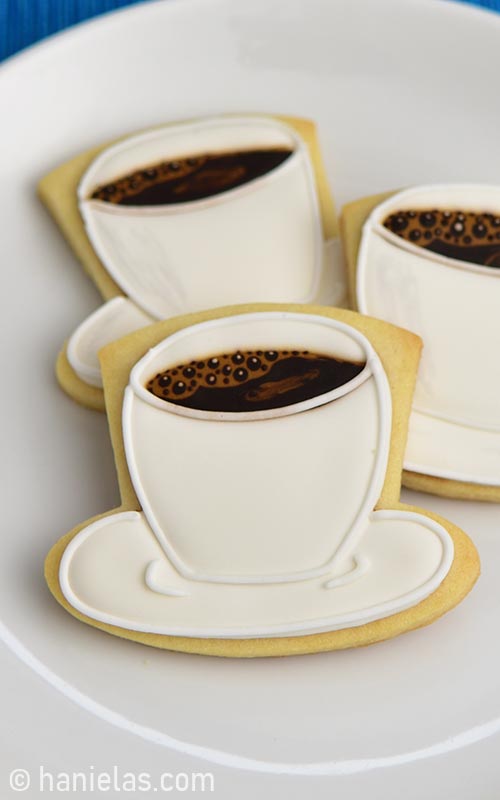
(23, 22)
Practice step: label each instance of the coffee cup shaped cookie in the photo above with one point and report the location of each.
(259, 455)
(194, 215)
(429, 261)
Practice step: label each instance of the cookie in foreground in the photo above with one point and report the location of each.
(273, 526)
(428, 259)
(193, 215)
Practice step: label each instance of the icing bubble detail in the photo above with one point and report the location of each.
(463, 235)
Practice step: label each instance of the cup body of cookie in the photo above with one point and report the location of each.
(258, 241)
(270, 495)
(451, 303)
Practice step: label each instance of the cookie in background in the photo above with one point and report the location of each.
(194, 215)
(427, 259)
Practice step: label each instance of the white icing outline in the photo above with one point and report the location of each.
(360, 568)
(373, 225)
(151, 583)
(336, 622)
(373, 369)
(300, 151)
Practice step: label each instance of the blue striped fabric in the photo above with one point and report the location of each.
(23, 22)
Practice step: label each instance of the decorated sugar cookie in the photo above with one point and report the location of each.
(189, 216)
(259, 456)
(429, 261)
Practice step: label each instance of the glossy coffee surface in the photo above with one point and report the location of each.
(192, 178)
(464, 235)
(252, 380)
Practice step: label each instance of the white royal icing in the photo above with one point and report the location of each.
(121, 316)
(261, 241)
(207, 484)
(453, 306)
(282, 499)
(103, 571)
(111, 321)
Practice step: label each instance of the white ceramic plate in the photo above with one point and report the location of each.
(404, 92)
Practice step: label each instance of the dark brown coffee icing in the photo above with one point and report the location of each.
(191, 178)
(465, 235)
(252, 380)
